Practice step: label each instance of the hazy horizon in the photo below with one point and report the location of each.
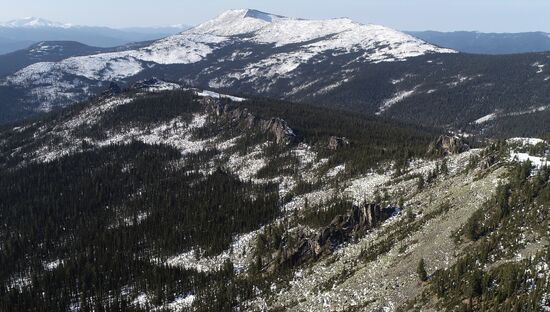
(419, 15)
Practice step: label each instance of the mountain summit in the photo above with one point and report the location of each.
(237, 22)
(336, 33)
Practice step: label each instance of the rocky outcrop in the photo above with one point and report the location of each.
(343, 228)
(336, 143)
(146, 84)
(448, 145)
(280, 129)
(229, 111)
(113, 90)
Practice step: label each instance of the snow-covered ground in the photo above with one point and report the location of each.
(217, 95)
(329, 34)
(240, 253)
(521, 155)
(526, 141)
(537, 162)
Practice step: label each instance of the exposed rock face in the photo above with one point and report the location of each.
(336, 143)
(113, 89)
(280, 129)
(487, 162)
(275, 126)
(145, 84)
(448, 145)
(343, 228)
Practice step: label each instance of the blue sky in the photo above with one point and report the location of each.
(445, 15)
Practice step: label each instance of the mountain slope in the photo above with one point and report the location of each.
(10, 45)
(47, 51)
(480, 94)
(33, 22)
(54, 51)
(189, 200)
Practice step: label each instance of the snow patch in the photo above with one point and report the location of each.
(216, 95)
(50, 266)
(539, 66)
(485, 118)
(400, 96)
(181, 303)
(238, 253)
(336, 170)
(537, 162)
(526, 141)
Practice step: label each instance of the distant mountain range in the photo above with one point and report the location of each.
(487, 43)
(19, 34)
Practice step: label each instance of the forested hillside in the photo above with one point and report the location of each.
(94, 210)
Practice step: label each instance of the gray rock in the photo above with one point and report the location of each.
(275, 126)
(336, 143)
(280, 129)
(448, 145)
(342, 229)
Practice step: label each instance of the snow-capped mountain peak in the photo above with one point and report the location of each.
(268, 17)
(34, 22)
(237, 22)
(337, 33)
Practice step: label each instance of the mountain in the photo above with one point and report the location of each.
(488, 43)
(238, 49)
(33, 22)
(162, 198)
(32, 30)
